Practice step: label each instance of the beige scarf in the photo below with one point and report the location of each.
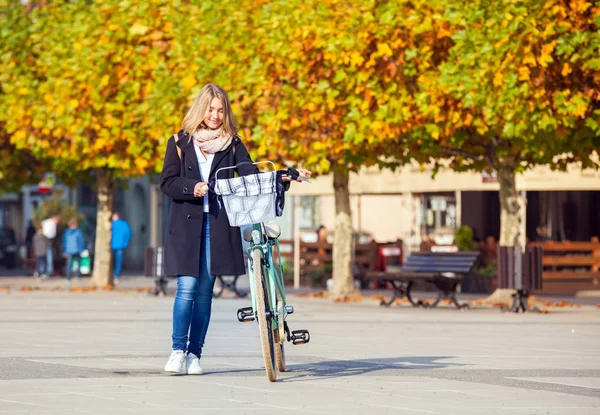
(212, 141)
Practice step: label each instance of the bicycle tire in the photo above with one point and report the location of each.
(265, 327)
(279, 346)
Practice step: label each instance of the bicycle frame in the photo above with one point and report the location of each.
(273, 275)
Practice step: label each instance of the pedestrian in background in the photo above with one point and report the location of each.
(121, 235)
(72, 246)
(40, 247)
(50, 227)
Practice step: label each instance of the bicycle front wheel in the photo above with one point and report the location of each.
(263, 315)
(279, 345)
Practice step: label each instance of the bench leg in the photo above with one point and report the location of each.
(452, 297)
(233, 286)
(219, 287)
(447, 289)
(398, 289)
(401, 289)
(230, 285)
(420, 303)
(414, 303)
(436, 302)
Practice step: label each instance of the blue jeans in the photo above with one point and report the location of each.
(118, 259)
(40, 265)
(49, 263)
(69, 265)
(191, 311)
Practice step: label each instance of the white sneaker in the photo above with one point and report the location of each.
(176, 362)
(192, 363)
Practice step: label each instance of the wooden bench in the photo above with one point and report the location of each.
(445, 270)
(584, 256)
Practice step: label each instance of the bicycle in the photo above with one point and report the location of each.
(267, 291)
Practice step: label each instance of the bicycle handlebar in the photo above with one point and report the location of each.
(292, 173)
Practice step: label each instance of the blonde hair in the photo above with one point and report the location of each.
(194, 119)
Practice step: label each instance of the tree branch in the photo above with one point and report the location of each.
(462, 153)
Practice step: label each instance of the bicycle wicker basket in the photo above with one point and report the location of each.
(248, 199)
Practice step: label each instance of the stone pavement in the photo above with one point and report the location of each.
(103, 353)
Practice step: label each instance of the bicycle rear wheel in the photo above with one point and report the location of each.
(265, 327)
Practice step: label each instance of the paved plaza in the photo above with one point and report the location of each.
(103, 353)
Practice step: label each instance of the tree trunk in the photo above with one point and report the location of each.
(510, 206)
(343, 280)
(510, 227)
(102, 274)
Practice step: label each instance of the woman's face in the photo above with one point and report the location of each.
(214, 115)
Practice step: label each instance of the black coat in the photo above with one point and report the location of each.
(184, 229)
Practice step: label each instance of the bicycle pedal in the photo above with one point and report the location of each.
(245, 315)
(300, 337)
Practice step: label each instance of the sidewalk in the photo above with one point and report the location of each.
(103, 353)
(139, 282)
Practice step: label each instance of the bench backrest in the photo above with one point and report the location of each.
(456, 262)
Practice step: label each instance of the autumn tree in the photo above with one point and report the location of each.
(328, 84)
(520, 88)
(90, 87)
(18, 166)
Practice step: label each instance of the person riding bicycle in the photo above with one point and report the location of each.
(200, 242)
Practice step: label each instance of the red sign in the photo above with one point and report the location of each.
(46, 185)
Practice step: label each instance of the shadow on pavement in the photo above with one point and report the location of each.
(343, 368)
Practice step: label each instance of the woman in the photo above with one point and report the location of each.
(200, 243)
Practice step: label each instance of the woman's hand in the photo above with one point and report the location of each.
(303, 172)
(200, 189)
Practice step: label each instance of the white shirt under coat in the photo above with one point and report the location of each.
(204, 163)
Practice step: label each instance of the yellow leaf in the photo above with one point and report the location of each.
(435, 134)
(48, 98)
(141, 163)
(19, 135)
(498, 79)
(60, 110)
(100, 143)
(384, 50)
(356, 59)
(189, 82)
(523, 73)
(566, 70)
(73, 103)
(104, 80)
(529, 59)
(468, 119)
(23, 91)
